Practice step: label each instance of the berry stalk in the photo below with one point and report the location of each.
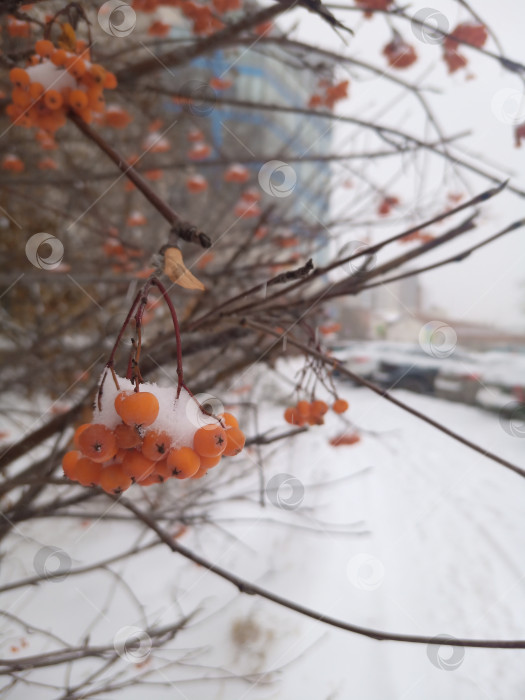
(137, 309)
(176, 328)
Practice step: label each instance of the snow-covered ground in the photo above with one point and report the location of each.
(405, 531)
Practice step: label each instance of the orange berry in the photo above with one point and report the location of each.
(98, 74)
(59, 57)
(119, 399)
(304, 408)
(36, 90)
(292, 416)
(318, 408)
(75, 66)
(139, 408)
(110, 81)
(162, 471)
(69, 461)
(156, 445)
(199, 474)
(235, 440)
(210, 440)
(137, 466)
(229, 419)
(12, 162)
(209, 462)
(97, 104)
(14, 112)
(153, 478)
(23, 120)
(47, 164)
(46, 141)
(114, 479)
(53, 120)
(85, 115)
(78, 99)
(44, 48)
(18, 27)
(81, 46)
(98, 442)
(21, 97)
(19, 77)
(53, 99)
(184, 462)
(95, 98)
(116, 117)
(87, 472)
(127, 436)
(340, 406)
(78, 433)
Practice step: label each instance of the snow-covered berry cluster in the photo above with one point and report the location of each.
(149, 435)
(54, 82)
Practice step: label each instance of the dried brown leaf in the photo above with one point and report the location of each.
(177, 271)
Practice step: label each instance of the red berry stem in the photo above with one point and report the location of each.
(129, 370)
(137, 308)
(136, 349)
(111, 361)
(176, 327)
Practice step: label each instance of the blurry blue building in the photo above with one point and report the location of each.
(264, 75)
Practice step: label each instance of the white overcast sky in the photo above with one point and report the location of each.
(490, 286)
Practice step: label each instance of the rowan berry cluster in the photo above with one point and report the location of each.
(143, 433)
(56, 81)
(312, 412)
(147, 437)
(369, 6)
(345, 439)
(328, 93)
(470, 33)
(203, 17)
(399, 53)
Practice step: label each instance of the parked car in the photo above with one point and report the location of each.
(502, 382)
(364, 357)
(408, 366)
(459, 377)
(359, 358)
(492, 380)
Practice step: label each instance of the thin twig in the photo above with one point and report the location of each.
(249, 588)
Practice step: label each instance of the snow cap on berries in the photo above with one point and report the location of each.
(179, 417)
